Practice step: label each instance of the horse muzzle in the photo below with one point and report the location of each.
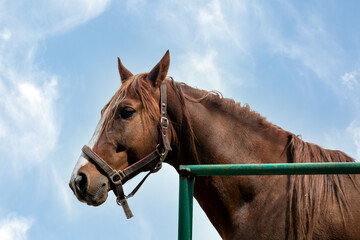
(92, 190)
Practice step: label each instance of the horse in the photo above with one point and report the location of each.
(203, 127)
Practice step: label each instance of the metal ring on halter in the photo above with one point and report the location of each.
(116, 177)
(162, 153)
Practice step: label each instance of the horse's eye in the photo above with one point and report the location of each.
(126, 112)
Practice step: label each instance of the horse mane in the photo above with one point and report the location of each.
(187, 130)
(227, 106)
(309, 196)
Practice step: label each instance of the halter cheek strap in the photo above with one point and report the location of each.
(159, 153)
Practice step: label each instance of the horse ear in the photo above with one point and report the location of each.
(124, 73)
(158, 74)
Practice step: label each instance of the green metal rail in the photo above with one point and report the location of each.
(189, 172)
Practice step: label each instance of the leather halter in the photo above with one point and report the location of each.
(159, 153)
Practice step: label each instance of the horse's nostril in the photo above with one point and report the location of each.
(120, 148)
(81, 182)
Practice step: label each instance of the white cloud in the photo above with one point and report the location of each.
(350, 79)
(30, 129)
(14, 228)
(67, 14)
(5, 34)
(29, 119)
(203, 24)
(200, 70)
(346, 140)
(37, 19)
(247, 25)
(211, 21)
(217, 21)
(306, 40)
(208, 22)
(204, 30)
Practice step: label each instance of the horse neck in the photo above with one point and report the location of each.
(224, 132)
(221, 136)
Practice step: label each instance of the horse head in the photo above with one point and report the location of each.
(128, 131)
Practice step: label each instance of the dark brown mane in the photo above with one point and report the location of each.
(227, 106)
(187, 132)
(310, 195)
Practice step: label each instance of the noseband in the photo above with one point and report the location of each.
(158, 154)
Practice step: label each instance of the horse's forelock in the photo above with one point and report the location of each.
(138, 86)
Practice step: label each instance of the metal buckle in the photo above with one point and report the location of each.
(162, 156)
(116, 177)
(164, 122)
(162, 153)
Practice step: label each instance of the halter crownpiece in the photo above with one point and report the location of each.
(160, 153)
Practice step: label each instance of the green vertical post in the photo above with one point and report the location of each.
(186, 192)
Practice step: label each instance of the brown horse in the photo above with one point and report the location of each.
(205, 128)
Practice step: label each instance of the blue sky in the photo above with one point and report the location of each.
(296, 63)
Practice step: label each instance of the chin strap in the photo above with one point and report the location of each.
(159, 153)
